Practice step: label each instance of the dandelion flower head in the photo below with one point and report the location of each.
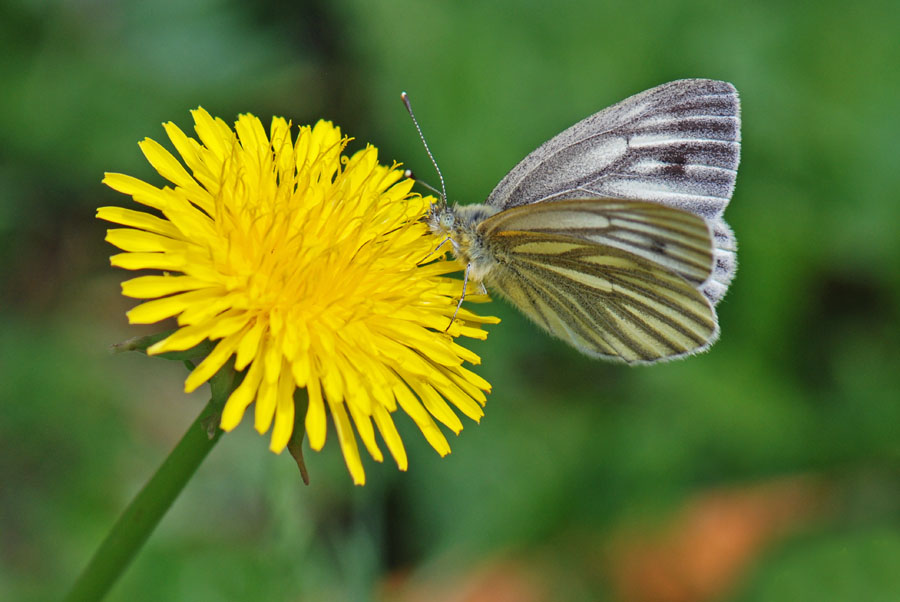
(311, 269)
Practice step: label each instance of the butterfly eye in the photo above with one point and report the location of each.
(447, 220)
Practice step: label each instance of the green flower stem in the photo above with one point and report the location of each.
(145, 511)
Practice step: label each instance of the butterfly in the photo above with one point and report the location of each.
(610, 235)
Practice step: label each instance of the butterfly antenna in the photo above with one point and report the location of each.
(405, 98)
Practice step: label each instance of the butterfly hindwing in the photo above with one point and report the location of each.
(676, 241)
(603, 301)
(617, 279)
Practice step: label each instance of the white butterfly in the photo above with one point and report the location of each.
(610, 236)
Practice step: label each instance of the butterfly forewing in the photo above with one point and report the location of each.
(677, 144)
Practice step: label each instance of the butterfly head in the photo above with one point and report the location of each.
(441, 219)
(459, 224)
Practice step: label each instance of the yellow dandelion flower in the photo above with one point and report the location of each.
(306, 266)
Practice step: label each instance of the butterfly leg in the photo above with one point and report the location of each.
(436, 249)
(462, 297)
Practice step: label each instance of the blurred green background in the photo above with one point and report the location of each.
(766, 469)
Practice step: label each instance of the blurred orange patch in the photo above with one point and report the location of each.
(497, 581)
(706, 548)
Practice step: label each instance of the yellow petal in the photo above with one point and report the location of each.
(129, 239)
(211, 363)
(160, 309)
(284, 414)
(466, 354)
(366, 432)
(211, 134)
(211, 307)
(474, 379)
(265, 405)
(435, 404)
(300, 370)
(150, 287)
(348, 443)
(428, 343)
(249, 346)
(457, 397)
(242, 397)
(469, 389)
(333, 384)
(391, 437)
(423, 420)
(228, 323)
(168, 166)
(148, 261)
(315, 415)
(138, 219)
(180, 340)
(140, 191)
